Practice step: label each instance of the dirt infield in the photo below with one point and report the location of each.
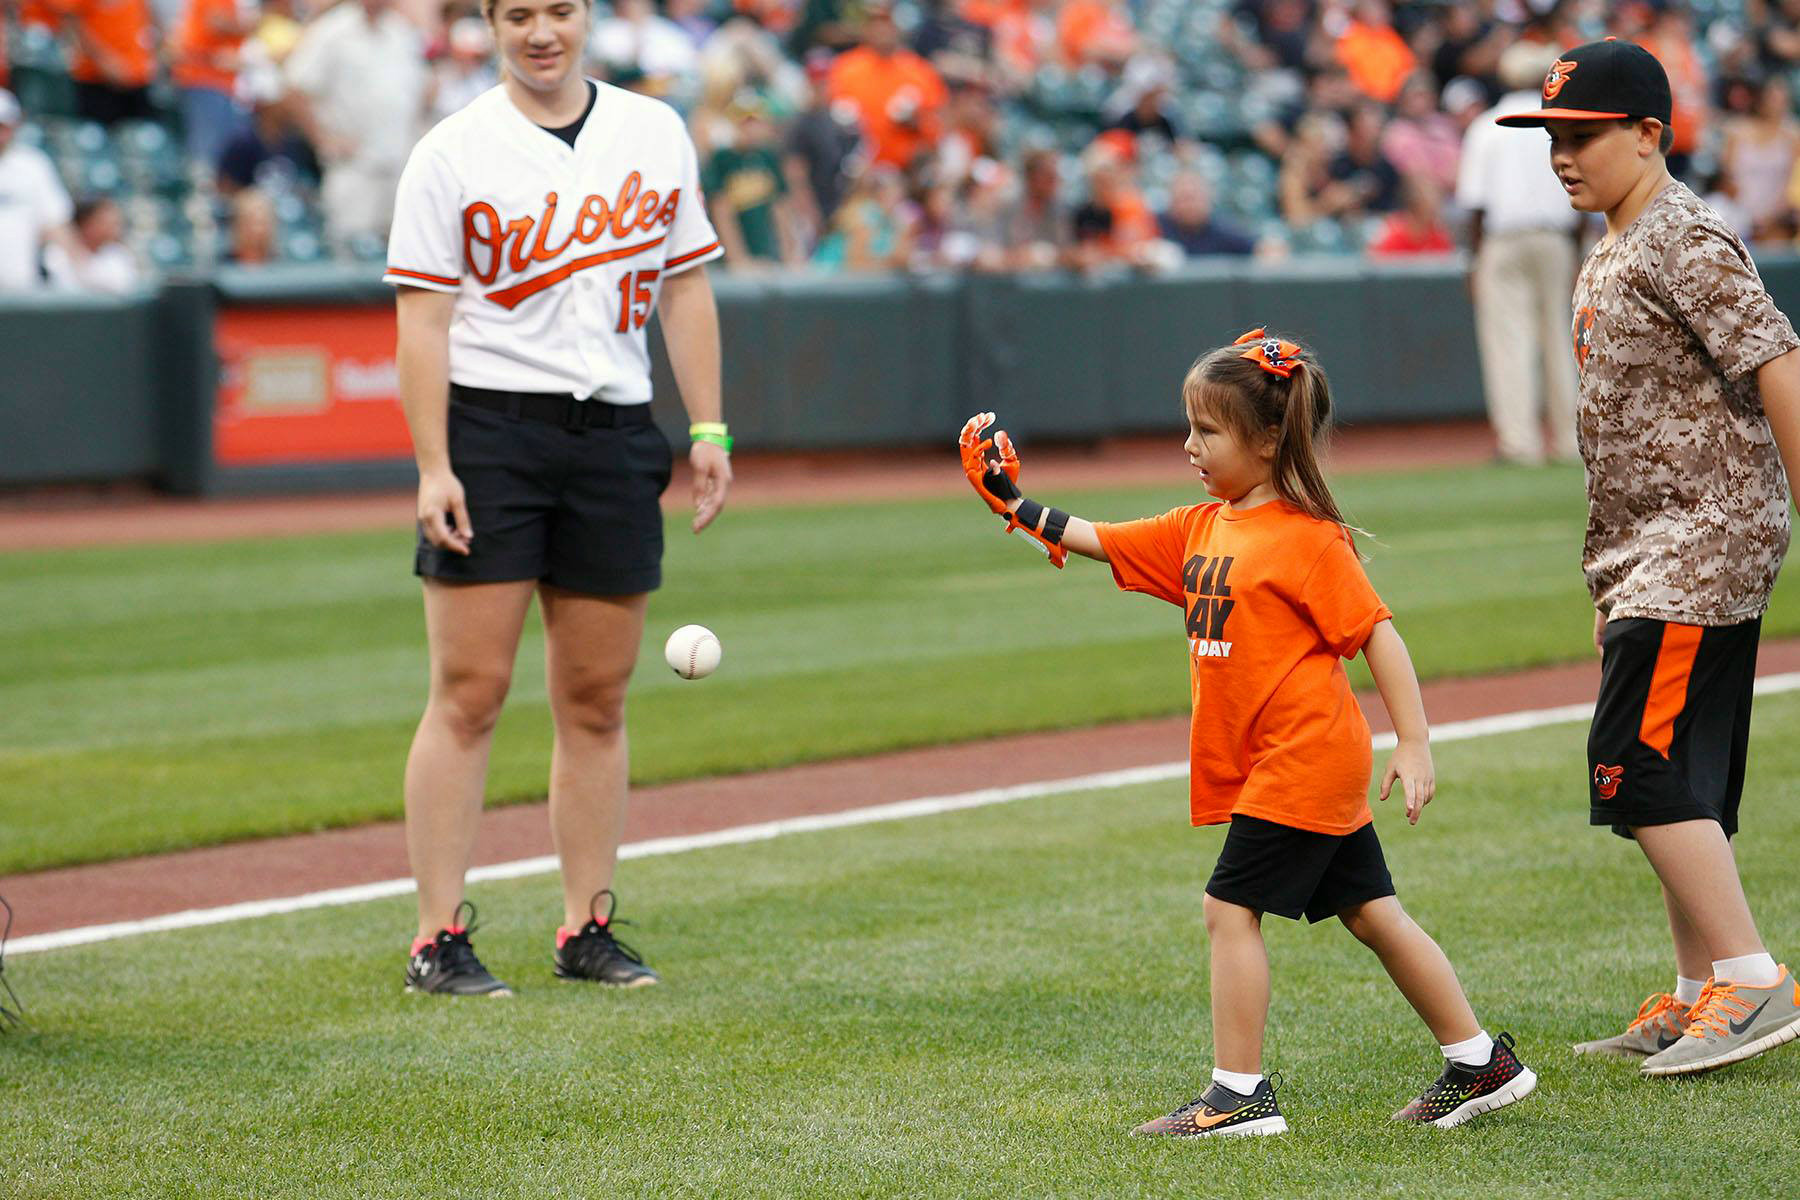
(67, 517)
(141, 887)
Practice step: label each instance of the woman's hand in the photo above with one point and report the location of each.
(1411, 765)
(712, 479)
(443, 513)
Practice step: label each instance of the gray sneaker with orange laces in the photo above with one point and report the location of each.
(1659, 1024)
(1731, 1022)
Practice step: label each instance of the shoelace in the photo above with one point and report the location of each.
(1713, 1012)
(596, 944)
(453, 949)
(1654, 1007)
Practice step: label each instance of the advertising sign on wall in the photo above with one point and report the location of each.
(308, 385)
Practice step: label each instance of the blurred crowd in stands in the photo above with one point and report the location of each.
(858, 135)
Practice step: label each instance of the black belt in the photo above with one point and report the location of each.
(553, 408)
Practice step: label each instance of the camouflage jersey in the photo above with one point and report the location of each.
(1687, 501)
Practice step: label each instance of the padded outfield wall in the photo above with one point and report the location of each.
(283, 379)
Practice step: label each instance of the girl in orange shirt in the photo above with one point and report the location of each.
(1275, 598)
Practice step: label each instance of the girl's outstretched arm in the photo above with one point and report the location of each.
(1081, 538)
(1410, 763)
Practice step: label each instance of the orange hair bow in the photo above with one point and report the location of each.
(1271, 354)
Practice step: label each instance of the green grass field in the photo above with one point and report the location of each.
(977, 1004)
(158, 697)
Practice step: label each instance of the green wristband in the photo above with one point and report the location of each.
(721, 440)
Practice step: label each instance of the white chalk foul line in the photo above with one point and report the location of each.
(1453, 731)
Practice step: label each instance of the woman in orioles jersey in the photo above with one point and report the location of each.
(534, 233)
(1275, 598)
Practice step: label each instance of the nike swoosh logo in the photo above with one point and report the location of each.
(1740, 1026)
(1664, 1041)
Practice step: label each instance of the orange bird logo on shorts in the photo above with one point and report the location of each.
(1607, 780)
(1559, 75)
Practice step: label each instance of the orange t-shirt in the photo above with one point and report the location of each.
(879, 86)
(1378, 59)
(122, 28)
(204, 57)
(1275, 600)
(1086, 26)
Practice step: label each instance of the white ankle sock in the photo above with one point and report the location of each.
(1237, 1081)
(1688, 990)
(1751, 970)
(1473, 1053)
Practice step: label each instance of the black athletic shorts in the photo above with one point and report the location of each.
(573, 502)
(1294, 872)
(1672, 726)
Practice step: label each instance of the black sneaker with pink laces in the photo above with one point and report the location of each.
(447, 966)
(593, 954)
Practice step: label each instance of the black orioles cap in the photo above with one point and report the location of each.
(1601, 81)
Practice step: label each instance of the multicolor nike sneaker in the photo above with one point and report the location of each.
(1659, 1024)
(1731, 1022)
(1221, 1112)
(447, 966)
(1463, 1093)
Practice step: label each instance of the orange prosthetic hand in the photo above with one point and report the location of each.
(996, 481)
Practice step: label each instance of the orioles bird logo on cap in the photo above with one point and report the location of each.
(1559, 75)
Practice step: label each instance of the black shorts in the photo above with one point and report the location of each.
(573, 503)
(1672, 726)
(1294, 872)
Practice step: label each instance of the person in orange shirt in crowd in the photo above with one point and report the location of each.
(112, 57)
(1095, 31)
(207, 48)
(1115, 224)
(1274, 598)
(1372, 50)
(1671, 39)
(898, 95)
(1024, 37)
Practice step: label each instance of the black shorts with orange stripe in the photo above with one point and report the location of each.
(1672, 726)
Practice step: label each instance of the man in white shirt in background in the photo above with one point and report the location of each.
(359, 84)
(108, 265)
(1523, 239)
(34, 206)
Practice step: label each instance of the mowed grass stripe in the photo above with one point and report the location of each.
(168, 696)
(981, 1003)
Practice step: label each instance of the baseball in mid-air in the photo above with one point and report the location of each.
(693, 651)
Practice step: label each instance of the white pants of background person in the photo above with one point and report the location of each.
(358, 198)
(1523, 282)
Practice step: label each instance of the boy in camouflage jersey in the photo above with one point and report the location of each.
(1689, 412)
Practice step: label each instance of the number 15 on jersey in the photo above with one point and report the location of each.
(635, 299)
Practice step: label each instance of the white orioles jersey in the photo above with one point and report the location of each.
(556, 255)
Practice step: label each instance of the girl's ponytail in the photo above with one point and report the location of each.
(1305, 420)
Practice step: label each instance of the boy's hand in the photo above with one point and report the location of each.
(997, 483)
(1599, 633)
(1411, 765)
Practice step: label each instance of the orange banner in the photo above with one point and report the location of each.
(300, 385)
